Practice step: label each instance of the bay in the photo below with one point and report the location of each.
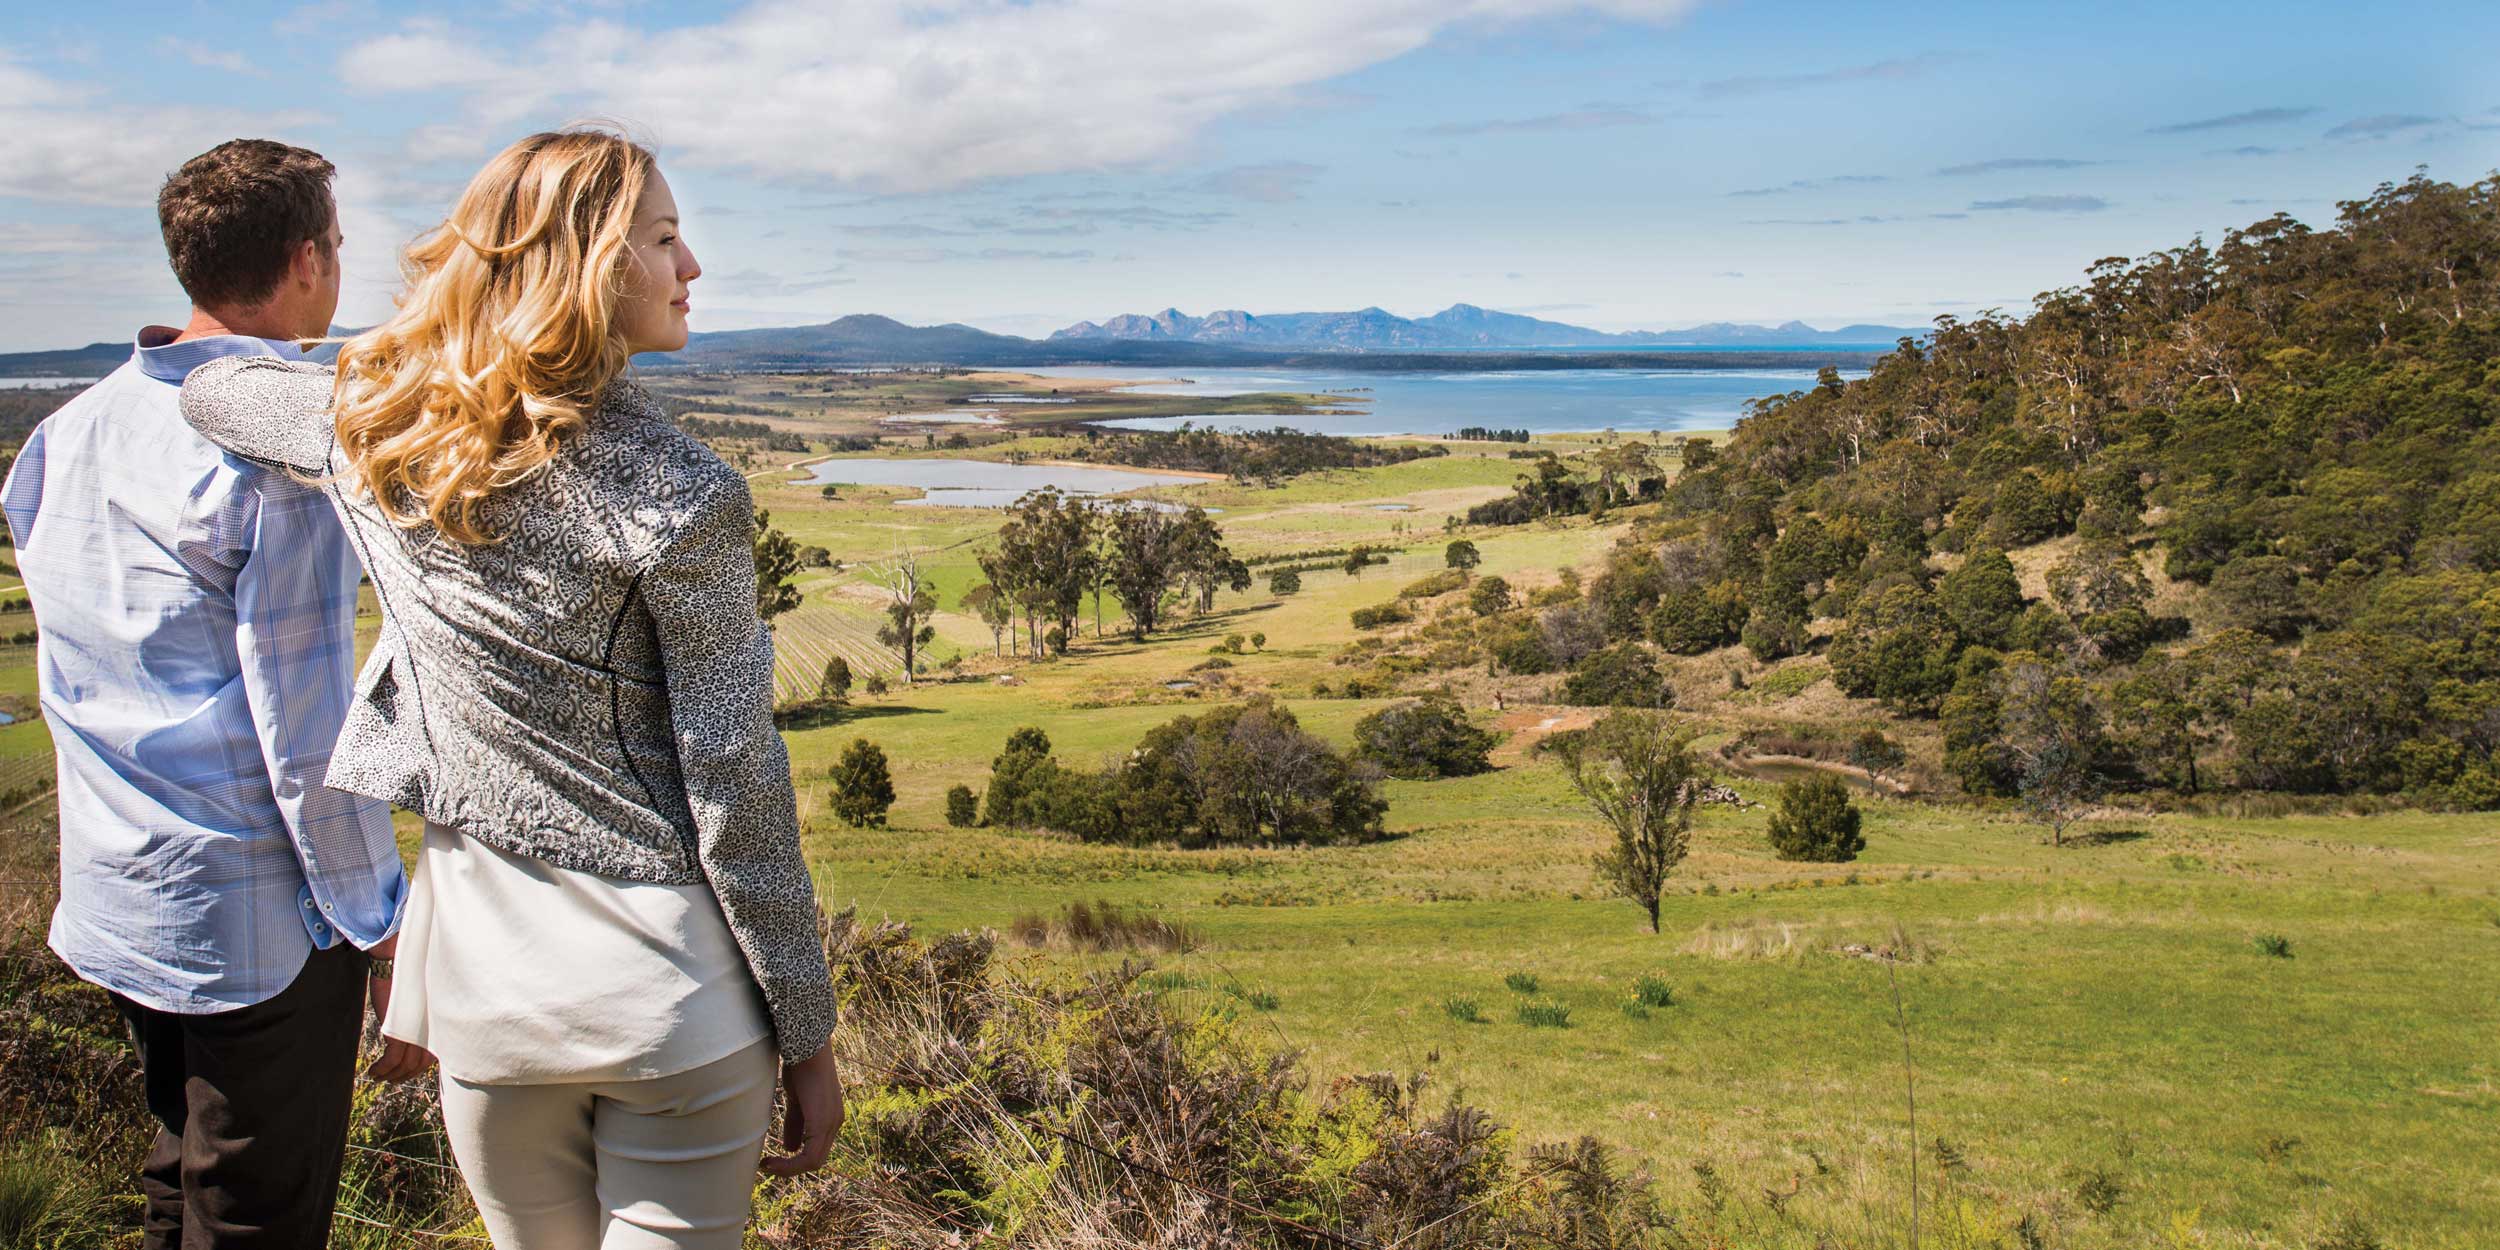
(1542, 401)
(950, 483)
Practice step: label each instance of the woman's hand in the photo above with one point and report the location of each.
(399, 1061)
(811, 1113)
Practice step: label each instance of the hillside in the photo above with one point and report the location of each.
(2264, 474)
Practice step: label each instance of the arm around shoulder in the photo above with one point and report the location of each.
(270, 411)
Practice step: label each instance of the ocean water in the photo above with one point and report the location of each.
(1544, 401)
(947, 483)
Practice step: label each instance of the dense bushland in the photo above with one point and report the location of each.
(1261, 456)
(2264, 472)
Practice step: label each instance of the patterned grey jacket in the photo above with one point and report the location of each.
(593, 689)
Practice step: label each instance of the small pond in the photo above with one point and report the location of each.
(984, 483)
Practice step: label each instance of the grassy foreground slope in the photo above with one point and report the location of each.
(2095, 1032)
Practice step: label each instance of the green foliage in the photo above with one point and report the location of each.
(1816, 822)
(1775, 622)
(1258, 641)
(1520, 982)
(1982, 599)
(1696, 618)
(1425, 738)
(1544, 1014)
(1651, 991)
(776, 569)
(2211, 393)
(1638, 775)
(1463, 1009)
(1284, 582)
(1246, 774)
(835, 686)
(963, 810)
(1897, 649)
(1462, 556)
(1491, 597)
(1440, 583)
(1394, 612)
(863, 788)
(2274, 945)
(1622, 675)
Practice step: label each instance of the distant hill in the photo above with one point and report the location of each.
(1460, 326)
(92, 361)
(868, 339)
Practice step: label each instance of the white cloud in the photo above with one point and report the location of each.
(937, 93)
(62, 143)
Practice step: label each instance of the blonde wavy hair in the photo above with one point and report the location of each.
(506, 337)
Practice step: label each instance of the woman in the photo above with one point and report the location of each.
(612, 934)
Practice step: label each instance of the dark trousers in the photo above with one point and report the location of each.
(252, 1108)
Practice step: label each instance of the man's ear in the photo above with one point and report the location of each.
(311, 263)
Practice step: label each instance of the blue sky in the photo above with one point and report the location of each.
(1018, 166)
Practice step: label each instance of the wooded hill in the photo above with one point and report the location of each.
(2278, 459)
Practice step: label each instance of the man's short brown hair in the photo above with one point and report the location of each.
(233, 216)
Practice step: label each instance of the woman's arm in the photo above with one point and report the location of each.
(719, 662)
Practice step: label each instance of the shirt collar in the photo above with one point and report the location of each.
(165, 360)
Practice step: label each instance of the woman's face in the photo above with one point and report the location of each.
(659, 268)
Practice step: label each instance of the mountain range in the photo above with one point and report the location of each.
(1461, 336)
(1457, 327)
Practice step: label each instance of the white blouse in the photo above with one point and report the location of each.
(516, 972)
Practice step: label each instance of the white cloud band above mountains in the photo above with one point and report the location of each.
(933, 95)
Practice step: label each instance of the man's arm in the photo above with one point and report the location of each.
(295, 633)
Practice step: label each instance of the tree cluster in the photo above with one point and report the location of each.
(1243, 775)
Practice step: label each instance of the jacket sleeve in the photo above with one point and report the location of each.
(269, 411)
(700, 592)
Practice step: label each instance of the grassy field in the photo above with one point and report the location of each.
(2100, 1044)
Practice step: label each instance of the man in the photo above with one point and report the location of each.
(196, 617)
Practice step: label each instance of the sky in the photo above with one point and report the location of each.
(1018, 166)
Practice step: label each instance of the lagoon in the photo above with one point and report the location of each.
(984, 483)
(1545, 402)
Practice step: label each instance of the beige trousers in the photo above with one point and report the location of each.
(616, 1165)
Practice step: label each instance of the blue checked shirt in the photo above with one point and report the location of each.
(196, 617)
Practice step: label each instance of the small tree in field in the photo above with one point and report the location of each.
(1638, 774)
(1462, 555)
(836, 687)
(776, 569)
(863, 787)
(1816, 822)
(962, 809)
(1355, 560)
(1283, 582)
(1258, 641)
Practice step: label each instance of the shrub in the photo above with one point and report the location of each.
(1462, 556)
(1544, 1014)
(1391, 613)
(1816, 822)
(836, 686)
(962, 809)
(1653, 992)
(2098, 1190)
(1876, 753)
(1103, 926)
(1440, 583)
(1462, 1009)
(1425, 738)
(1519, 649)
(2274, 944)
(875, 685)
(1256, 999)
(1233, 643)
(1491, 597)
(1622, 675)
(1283, 582)
(1521, 982)
(863, 788)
